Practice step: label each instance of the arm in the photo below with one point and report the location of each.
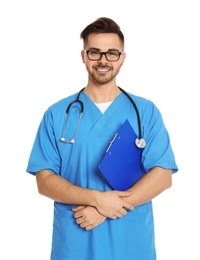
(111, 204)
(151, 185)
(147, 188)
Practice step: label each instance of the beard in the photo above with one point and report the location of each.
(104, 77)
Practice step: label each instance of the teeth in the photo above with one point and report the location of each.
(103, 69)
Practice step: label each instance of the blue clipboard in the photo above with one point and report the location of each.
(121, 164)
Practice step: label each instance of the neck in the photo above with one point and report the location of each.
(102, 94)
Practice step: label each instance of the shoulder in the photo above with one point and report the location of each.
(142, 102)
(147, 108)
(58, 108)
(62, 103)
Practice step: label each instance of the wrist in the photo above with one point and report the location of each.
(93, 198)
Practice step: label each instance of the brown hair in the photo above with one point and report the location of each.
(102, 25)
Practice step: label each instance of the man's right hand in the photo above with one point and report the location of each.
(112, 204)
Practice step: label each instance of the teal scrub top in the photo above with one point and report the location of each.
(130, 237)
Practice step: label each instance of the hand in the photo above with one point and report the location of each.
(113, 204)
(88, 217)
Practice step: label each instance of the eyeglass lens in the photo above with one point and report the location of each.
(97, 55)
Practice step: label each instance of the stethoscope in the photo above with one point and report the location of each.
(139, 141)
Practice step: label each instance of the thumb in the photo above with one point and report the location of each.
(124, 193)
(77, 208)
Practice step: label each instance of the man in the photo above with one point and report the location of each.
(92, 221)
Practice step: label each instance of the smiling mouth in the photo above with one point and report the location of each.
(101, 69)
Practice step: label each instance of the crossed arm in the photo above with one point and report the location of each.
(93, 206)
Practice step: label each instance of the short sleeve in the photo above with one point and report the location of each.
(44, 153)
(158, 151)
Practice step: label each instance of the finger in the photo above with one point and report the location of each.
(89, 227)
(124, 193)
(83, 225)
(79, 221)
(113, 216)
(77, 215)
(120, 214)
(86, 226)
(123, 211)
(78, 208)
(127, 206)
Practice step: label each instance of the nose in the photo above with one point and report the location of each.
(103, 55)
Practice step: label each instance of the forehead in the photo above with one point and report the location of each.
(104, 41)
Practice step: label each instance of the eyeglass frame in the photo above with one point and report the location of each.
(104, 53)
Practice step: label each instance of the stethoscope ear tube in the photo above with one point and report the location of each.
(140, 142)
(75, 101)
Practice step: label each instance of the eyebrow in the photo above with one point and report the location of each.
(96, 49)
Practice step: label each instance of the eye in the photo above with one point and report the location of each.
(94, 52)
(113, 53)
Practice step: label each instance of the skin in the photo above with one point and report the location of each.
(93, 206)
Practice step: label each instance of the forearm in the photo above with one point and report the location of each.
(109, 203)
(63, 191)
(150, 186)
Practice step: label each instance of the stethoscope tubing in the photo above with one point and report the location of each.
(137, 113)
(140, 142)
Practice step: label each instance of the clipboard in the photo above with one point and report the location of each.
(121, 164)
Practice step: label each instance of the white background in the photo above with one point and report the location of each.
(40, 63)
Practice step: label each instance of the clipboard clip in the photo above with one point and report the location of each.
(111, 142)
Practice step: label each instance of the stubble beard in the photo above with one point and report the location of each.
(101, 78)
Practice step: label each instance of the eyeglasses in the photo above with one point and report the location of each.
(97, 55)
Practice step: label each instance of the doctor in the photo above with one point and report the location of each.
(92, 221)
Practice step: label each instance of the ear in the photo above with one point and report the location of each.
(83, 56)
(123, 58)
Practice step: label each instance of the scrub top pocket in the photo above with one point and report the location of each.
(140, 232)
(68, 237)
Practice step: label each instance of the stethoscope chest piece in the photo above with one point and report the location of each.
(140, 143)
